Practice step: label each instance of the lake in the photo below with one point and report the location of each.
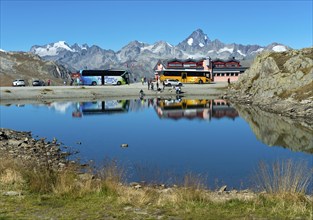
(167, 138)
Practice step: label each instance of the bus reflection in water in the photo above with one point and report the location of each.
(101, 107)
(202, 109)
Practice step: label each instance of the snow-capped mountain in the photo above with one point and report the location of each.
(141, 57)
(52, 49)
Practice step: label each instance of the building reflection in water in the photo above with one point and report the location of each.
(203, 109)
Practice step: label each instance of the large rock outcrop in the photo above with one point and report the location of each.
(280, 82)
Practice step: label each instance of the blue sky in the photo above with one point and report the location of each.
(113, 24)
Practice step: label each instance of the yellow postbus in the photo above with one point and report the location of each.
(186, 76)
(183, 108)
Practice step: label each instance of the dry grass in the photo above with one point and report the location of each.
(299, 94)
(280, 59)
(111, 172)
(284, 177)
(10, 175)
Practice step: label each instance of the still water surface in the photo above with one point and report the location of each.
(167, 138)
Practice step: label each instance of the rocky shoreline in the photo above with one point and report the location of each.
(21, 145)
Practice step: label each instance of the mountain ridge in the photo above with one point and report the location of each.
(141, 57)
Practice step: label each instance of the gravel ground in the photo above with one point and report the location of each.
(54, 93)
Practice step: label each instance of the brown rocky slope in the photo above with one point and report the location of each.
(279, 82)
(22, 65)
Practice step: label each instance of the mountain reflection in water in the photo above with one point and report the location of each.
(274, 130)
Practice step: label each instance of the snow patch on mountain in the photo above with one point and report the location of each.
(2, 50)
(170, 45)
(82, 47)
(241, 53)
(279, 48)
(230, 50)
(190, 41)
(258, 50)
(53, 49)
(147, 48)
(201, 45)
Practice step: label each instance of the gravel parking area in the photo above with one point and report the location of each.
(54, 93)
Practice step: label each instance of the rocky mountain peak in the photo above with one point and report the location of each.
(199, 35)
(197, 39)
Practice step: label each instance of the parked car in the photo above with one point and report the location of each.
(38, 82)
(18, 82)
(172, 82)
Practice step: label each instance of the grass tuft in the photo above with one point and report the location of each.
(284, 177)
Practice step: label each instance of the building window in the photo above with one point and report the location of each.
(174, 64)
(189, 64)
